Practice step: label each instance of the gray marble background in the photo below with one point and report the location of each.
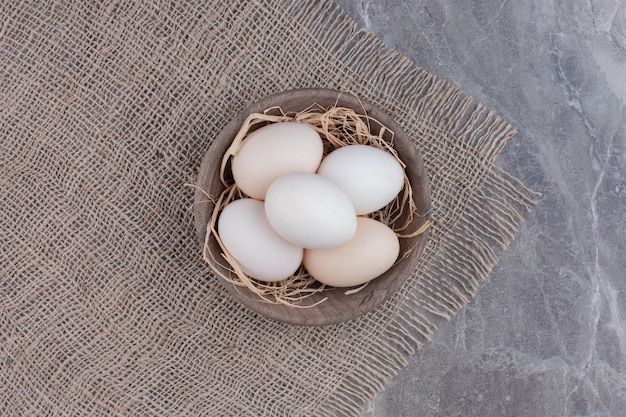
(546, 334)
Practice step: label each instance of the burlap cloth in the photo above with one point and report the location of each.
(106, 307)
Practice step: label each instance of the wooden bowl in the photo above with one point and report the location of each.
(338, 307)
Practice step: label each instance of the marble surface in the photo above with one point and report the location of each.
(546, 334)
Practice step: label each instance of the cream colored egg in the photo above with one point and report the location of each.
(310, 211)
(259, 250)
(371, 177)
(369, 254)
(274, 150)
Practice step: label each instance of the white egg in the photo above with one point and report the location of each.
(310, 211)
(369, 176)
(274, 150)
(369, 254)
(259, 250)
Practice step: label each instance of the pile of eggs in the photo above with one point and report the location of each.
(302, 208)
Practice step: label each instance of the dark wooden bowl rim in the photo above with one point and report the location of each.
(338, 307)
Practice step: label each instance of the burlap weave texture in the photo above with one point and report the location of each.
(106, 307)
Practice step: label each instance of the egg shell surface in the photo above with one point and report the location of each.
(369, 254)
(274, 150)
(310, 211)
(258, 249)
(370, 177)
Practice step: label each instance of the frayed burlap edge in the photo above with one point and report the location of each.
(461, 253)
(176, 311)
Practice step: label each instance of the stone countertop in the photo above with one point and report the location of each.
(546, 333)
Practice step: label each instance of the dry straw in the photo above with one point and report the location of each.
(338, 127)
